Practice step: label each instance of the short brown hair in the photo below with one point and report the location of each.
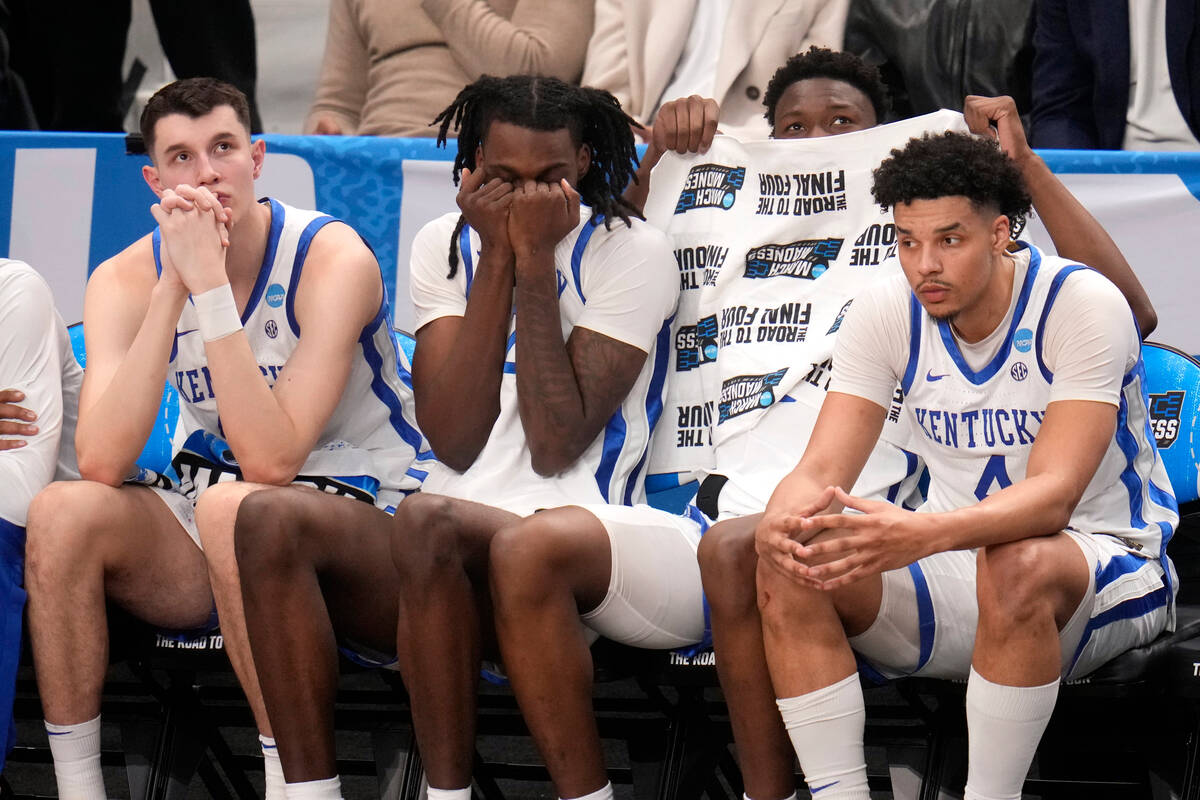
(192, 97)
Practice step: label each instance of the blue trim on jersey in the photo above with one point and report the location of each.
(926, 621)
(306, 237)
(581, 244)
(510, 367)
(426, 455)
(419, 474)
(992, 367)
(1130, 609)
(464, 247)
(264, 270)
(655, 397)
(916, 315)
(1051, 295)
(380, 387)
(156, 247)
(912, 462)
(614, 443)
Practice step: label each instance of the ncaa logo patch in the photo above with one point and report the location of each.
(1019, 371)
(710, 186)
(1023, 340)
(275, 295)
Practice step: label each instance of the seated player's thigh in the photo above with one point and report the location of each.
(143, 540)
(654, 598)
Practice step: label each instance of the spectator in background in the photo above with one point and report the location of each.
(71, 57)
(933, 53)
(642, 54)
(1117, 75)
(391, 65)
(38, 408)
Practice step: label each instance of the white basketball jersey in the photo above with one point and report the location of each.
(612, 468)
(370, 442)
(975, 428)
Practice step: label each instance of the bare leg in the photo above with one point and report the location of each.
(1027, 592)
(440, 550)
(310, 564)
(727, 566)
(546, 569)
(87, 542)
(216, 513)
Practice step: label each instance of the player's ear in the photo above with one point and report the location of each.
(258, 152)
(150, 176)
(583, 160)
(1001, 233)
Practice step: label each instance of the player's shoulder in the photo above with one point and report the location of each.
(439, 227)
(1077, 282)
(21, 284)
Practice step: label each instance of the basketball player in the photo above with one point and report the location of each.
(213, 301)
(1040, 552)
(542, 344)
(814, 94)
(37, 362)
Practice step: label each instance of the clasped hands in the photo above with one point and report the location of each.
(518, 219)
(827, 550)
(195, 231)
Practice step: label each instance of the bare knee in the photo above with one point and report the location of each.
(267, 531)
(1030, 579)
(727, 566)
(63, 532)
(216, 513)
(424, 539)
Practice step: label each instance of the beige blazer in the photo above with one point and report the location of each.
(636, 44)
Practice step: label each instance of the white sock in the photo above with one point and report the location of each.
(76, 751)
(324, 789)
(603, 793)
(791, 796)
(448, 794)
(826, 729)
(272, 770)
(1004, 726)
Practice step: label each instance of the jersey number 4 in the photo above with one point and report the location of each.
(994, 472)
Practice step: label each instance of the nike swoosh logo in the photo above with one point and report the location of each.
(929, 376)
(815, 789)
(185, 333)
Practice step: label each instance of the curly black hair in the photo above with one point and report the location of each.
(592, 116)
(821, 62)
(954, 164)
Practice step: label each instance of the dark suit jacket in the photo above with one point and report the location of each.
(1081, 70)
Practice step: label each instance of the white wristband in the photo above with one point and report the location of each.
(216, 313)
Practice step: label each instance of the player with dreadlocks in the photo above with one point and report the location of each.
(538, 376)
(593, 117)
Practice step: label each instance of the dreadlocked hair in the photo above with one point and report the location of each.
(592, 116)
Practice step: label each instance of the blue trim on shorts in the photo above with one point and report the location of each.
(1130, 609)
(706, 641)
(927, 623)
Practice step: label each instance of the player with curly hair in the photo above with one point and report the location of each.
(1039, 553)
